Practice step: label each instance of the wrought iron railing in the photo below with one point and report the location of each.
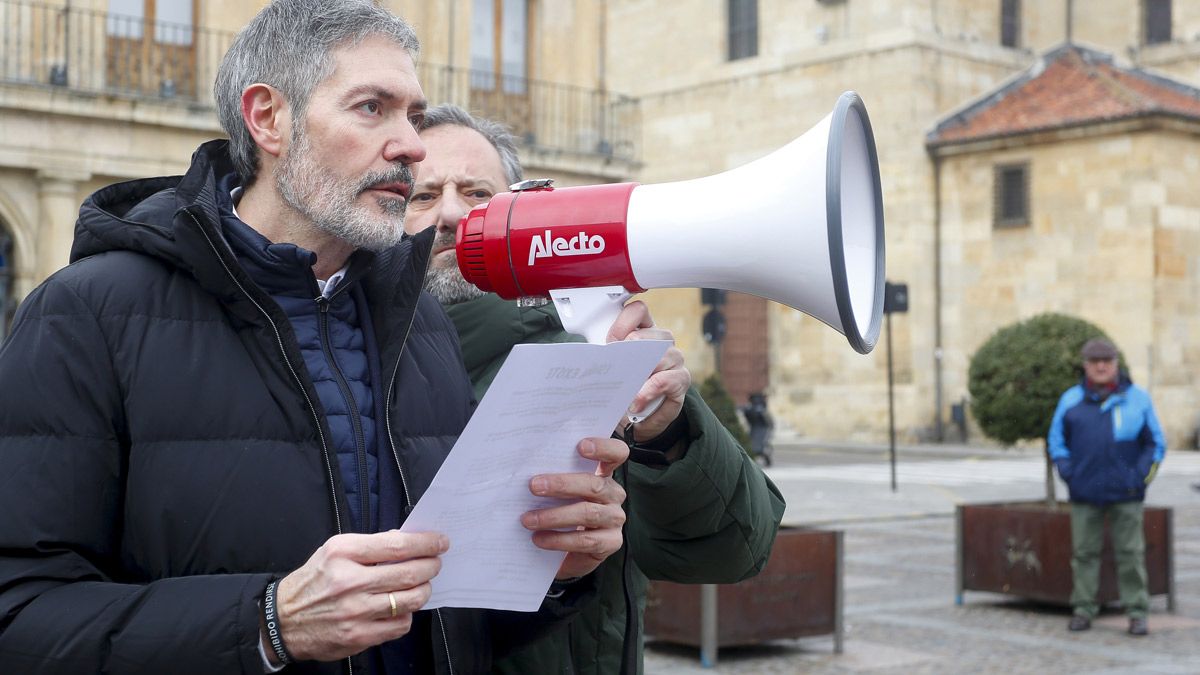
(85, 50)
(89, 51)
(545, 116)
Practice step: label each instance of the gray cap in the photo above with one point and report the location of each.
(1099, 348)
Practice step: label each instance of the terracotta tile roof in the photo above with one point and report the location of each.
(1069, 86)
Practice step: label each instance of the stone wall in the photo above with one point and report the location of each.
(703, 115)
(1113, 224)
(912, 62)
(59, 145)
(1175, 354)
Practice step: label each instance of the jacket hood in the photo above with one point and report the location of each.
(150, 216)
(176, 220)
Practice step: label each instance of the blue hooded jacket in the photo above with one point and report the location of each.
(1106, 449)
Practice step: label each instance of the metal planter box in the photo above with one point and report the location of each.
(1024, 549)
(797, 594)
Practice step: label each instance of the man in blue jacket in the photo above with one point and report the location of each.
(1107, 444)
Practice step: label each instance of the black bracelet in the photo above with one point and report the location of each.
(653, 452)
(271, 619)
(559, 586)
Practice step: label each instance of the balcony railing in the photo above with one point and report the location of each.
(95, 52)
(545, 116)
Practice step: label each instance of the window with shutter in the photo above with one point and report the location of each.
(1011, 196)
(743, 29)
(1010, 23)
(1157, 17)
(150, 47)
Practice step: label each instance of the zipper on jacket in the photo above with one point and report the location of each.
(408, 505)
(387, 418)
(312, 409)
(360, 443)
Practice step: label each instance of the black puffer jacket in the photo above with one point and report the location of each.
(163, 454)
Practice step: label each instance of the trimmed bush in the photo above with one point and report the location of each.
(717, 398)
(1018, 375)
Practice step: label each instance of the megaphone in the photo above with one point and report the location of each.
(802, 226)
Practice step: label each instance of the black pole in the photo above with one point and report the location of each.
(891, 404)
(895, 299)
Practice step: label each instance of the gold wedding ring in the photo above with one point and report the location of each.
(392, 602)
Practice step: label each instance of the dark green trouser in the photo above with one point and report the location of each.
(1129, 545)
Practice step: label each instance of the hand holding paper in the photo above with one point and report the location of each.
(588, 528)
(355, 591)
(544, 400)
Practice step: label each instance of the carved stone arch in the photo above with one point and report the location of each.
(23, 233)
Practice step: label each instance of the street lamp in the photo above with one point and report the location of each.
(713, 323)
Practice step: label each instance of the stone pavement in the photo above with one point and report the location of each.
(900, 613)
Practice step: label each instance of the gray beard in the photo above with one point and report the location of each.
(330, 205)
(448, 286)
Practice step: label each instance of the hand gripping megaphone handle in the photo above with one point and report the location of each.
(591, 312)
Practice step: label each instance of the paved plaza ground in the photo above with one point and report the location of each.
(900, 613)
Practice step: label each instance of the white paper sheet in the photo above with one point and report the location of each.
(545, 399)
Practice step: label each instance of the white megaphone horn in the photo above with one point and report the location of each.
(802, 226)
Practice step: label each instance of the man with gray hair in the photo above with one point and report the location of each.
(1107, 443)
(214, 420)
(699, 509)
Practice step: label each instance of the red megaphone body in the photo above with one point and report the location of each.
(802, 226)
(536, 239)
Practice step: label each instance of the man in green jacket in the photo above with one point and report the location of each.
(699, 509)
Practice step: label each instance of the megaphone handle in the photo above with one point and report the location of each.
(591, 312)
(642, 414)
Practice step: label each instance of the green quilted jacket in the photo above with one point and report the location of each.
(709, 517)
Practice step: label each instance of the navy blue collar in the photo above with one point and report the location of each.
(280, 269)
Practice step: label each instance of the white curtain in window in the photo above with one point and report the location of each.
(483, 44)
(125, 18)
(512, 45)
(173, 21)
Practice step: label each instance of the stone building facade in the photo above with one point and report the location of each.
(597, 93)
(915, 64)
(1070, 190)
(94, 92)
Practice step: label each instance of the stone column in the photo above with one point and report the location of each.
(58, 203)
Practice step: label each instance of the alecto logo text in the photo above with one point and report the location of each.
(580, 244)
